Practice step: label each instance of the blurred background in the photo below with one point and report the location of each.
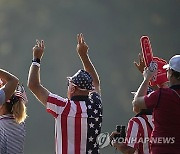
(112, 29)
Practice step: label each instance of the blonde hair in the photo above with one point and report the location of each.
(19, 112)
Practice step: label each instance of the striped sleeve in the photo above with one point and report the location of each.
(133, 134)
(2, 97)
(55, 104)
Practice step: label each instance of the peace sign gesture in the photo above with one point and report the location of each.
(38, 49)
(82, 47)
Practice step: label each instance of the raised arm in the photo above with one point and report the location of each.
(138, 102)
(34, 82)
(10, 83)
(82, 50)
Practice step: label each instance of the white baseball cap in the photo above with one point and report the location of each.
(174, 63)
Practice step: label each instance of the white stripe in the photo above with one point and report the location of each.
(71, 133)
(59, 136)
(83, 127)
(150, 120)
(73, 109)
(58, 97)
(145, 145)
(83, 108)
(12, 135)
(54, 107)
(134, 132)
(83, 135)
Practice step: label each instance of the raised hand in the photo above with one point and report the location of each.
(38, 49)
(141, 64)
(82, 47)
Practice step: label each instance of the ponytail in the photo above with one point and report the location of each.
(19, 111)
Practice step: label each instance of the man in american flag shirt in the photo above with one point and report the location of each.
(78, 118)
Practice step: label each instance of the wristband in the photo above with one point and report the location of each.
(36, 63)
(37, 60)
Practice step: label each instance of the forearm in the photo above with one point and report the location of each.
(142, 90)
(34, 77)
(138, 102)
(35, 86)
(89, 67)
(10, 84)
(8, 77)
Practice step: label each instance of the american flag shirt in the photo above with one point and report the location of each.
(77, 123)
(139, 133)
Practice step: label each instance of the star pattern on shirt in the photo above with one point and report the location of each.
(97, 119)
(95, 145)
(96, 131)
(91, 139)
(94, 111)
(91, 125)
(90, 151)
(89, 107)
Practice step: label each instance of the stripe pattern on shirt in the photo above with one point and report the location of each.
(139, 133)
(12, 135)
(77, 123)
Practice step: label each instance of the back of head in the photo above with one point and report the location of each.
(16, 104)
(174, 65)
(16, 107)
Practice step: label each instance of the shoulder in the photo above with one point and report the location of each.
(56, 99)
(137, 121)
(95, 96)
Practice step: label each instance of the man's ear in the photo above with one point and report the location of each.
(73, 89)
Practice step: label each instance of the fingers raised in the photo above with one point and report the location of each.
(39, 44)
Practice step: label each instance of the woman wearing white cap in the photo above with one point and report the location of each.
(165, 103)
(12, 115)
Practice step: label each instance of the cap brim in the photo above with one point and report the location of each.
(69, 78)
(166, 66)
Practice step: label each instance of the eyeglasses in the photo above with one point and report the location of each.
(68, 83)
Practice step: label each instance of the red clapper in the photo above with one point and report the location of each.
(160, 77)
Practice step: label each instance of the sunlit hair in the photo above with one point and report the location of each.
(18, 109)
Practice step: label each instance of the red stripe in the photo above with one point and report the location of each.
(77, 139)
(64, 128)
(54, 100)
(140, 134)
(52, 112)
(130, 124)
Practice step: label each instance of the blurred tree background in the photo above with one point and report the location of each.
(112, 29)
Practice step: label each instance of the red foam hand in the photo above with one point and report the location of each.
(160, 77)
(146, 50)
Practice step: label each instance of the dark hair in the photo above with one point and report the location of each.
(176, 74)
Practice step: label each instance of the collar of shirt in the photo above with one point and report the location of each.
(79, 98)
(6, 116)
(175, 87)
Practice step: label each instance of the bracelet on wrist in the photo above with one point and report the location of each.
(37, 60)
(36, 63)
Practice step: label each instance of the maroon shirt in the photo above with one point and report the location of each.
(165, 103)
